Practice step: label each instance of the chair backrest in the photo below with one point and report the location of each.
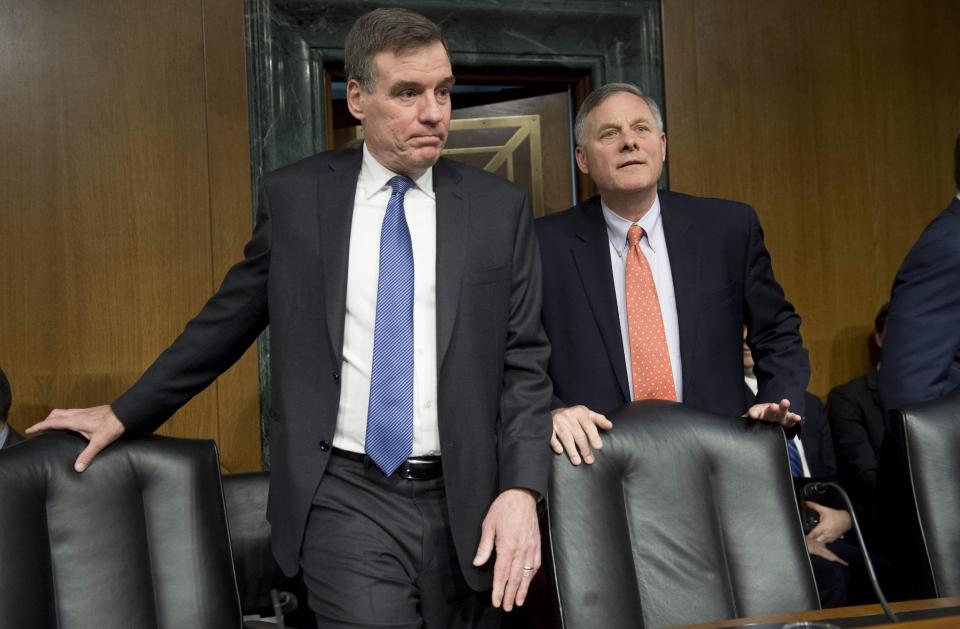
(930, 435)
(245, 496)
(685, 517)
(138, 540)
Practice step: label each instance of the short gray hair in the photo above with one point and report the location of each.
(597, 96)
(392, 30)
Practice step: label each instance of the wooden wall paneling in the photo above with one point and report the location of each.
(835, 121)
(231, 216)
(680, 108)
(107, 125)
(106, 218)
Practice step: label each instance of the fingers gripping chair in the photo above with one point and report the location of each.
(685, 517)
(138, 540)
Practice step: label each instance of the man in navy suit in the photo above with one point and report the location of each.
(701, 273)
(921, 351)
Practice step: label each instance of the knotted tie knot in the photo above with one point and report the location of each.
(634, 234)
(400, 184)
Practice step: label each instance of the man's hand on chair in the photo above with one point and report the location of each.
(576, 431)
(98, 424)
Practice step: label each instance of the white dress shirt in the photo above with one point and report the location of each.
(752, 383)
(654, 248)
(369, 209)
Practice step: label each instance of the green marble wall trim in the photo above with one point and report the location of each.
(289, 41)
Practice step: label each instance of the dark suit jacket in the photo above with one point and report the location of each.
(722, 280)
(493, 393)
(12, 437)
(817, 441)
(858, 427)
(921, 347)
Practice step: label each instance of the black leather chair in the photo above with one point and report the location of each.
(245, 497)
(259, 579)
(927, 443)
(685, 517)
(138, 540)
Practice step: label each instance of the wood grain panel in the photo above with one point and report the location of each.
(231, 213)
(835, 120)
(112, 173)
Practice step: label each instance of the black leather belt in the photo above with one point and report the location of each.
(414, 468)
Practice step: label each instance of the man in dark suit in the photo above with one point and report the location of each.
(921, 352)
(858, 427)
(410, 398)
(646, 292)
(8, 436)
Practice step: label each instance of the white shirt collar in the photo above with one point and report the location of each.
(374, 177)
(4, 433)
(617, 226)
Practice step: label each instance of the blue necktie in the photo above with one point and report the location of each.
(390, 416)
(796, 465)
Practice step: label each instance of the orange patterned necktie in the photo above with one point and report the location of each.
(649, 356)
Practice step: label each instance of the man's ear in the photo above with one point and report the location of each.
(581, 160)
(355, 99)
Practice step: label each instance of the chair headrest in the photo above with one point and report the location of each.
(684, 517)
(139, 536)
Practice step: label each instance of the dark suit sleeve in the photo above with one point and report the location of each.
(210, 343)
(826, 465)
(922, 340)
(524, 429)
(556, 403)
(12, 437)
(848, 424)
(782, 365)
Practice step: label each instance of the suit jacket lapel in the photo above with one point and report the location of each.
(683, 247)
(591, 253)
(335, 196)
(453, 219)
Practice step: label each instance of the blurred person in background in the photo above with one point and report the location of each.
(858, 427)
(8, 436)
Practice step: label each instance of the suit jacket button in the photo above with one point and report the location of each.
(336, 376)
(324, 446)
